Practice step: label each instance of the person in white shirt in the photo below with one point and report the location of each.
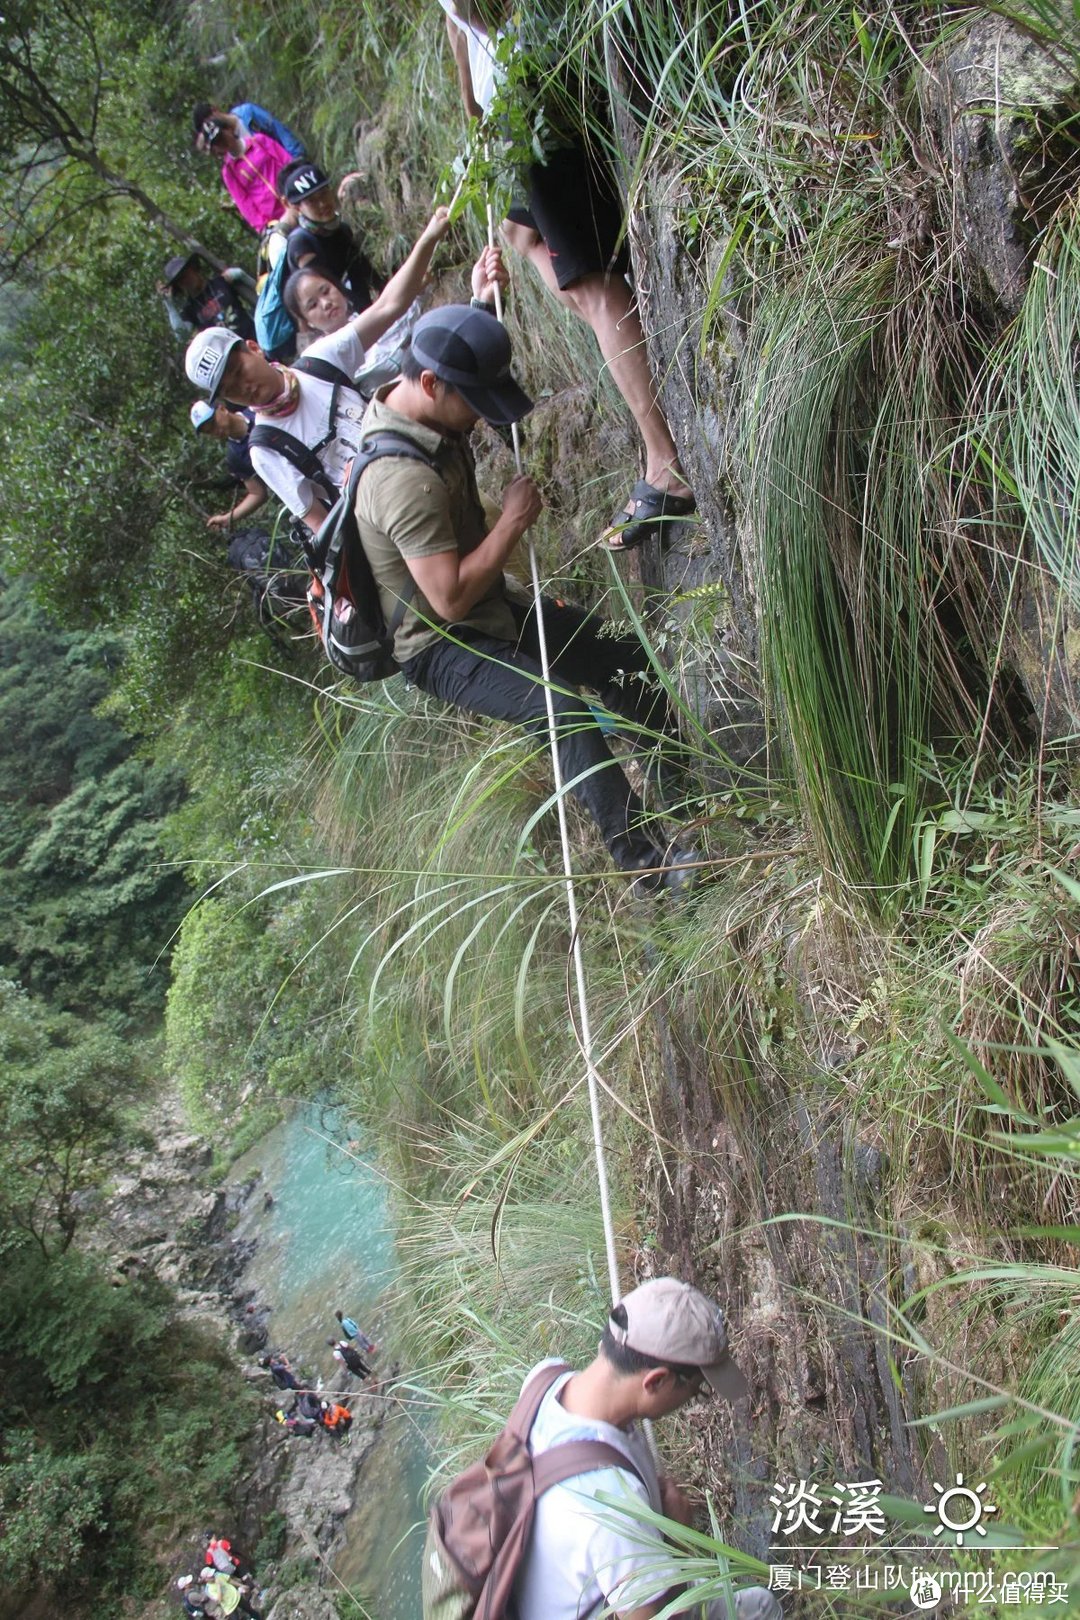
(663, 1344)
(357, 345)
(235, 370)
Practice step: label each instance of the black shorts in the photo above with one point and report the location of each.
(573, 202)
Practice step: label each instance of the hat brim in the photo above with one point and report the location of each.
(725, 1379)
(181, 266)
(500, 406)
(215, 396)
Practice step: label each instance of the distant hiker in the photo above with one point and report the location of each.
(466, 635)
(336, 1419)
(195, 300)
(219, 1554)
(224, 1556)
(308, 1405)
(296, 1426)
(572, 231)
(233, 428)
(344, 1352)
(322, 413)
(322, 237)
(246, 118)
(224, 1596)
(351, 1330)
(280, 1371)
(193, 1596)
(664, 1343)
(250, 165)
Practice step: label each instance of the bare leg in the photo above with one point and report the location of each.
(607, 305)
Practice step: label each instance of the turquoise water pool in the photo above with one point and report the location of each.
(326, 1243)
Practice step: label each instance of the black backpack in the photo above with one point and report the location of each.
(342, 594)
(274, 569)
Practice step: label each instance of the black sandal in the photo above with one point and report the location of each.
(651, 508)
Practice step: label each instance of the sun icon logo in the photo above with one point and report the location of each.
(960, 1509)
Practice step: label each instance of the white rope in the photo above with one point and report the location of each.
(568, 872)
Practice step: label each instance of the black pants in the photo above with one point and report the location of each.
(503, 680)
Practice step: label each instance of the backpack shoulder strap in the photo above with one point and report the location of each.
(572, 1457)
(523, 1415)
(324, 370)
(294, 451)
(380, 442)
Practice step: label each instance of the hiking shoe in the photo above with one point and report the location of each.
(682, 869)
(673, 872)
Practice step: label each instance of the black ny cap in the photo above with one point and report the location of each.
(469, 349)
(300, 180)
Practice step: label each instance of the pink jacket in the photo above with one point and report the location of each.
(251, 180)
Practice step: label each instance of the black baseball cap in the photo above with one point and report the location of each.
(300, 180)
(469, 349)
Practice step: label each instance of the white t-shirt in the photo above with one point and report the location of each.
(310, 423)
(579, 1554)
(483, 67)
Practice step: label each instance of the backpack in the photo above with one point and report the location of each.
(342, 596)
(275, 330)
(478, 1530)
(275, 573)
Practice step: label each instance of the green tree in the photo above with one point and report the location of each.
(89, 904)
(50, 1505)
(63, 1089)
(69, 121)
(118, 1423)
(102, 499)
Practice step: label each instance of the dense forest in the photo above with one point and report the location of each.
(841, 1083)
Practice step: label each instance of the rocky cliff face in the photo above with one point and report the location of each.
(994, 168)
(994, 158)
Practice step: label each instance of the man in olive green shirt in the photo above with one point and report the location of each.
(468, 634)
